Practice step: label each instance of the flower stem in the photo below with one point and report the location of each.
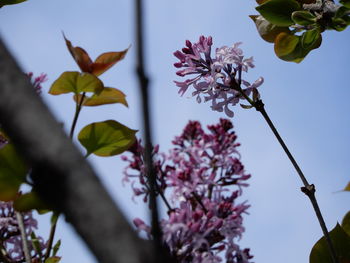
(308, 189)
(52, 235)
(24, 237)
(76, 115)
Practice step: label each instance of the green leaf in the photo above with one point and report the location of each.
(246, 106)
(347, 188)
(106, 138)
(310, 39)
(279, 12)
(10, 2)
(267, 31)
(53, 260)
(76, 82)
(345, 3)
(303, 18)
(106, 96)
(341, 241)
(56, 247)
(346, 223)
(35, 243)
(338, 24)
(30, 201)
(13, 171)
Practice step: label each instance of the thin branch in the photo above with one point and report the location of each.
(51, 237)
(143, 85)
(23, 237)
(308, 189)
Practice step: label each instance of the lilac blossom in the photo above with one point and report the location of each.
(217, 79)
(37, 81)
(199, 180)
(10, 235)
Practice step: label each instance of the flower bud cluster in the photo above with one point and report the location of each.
(200, 180)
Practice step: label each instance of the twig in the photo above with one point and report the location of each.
(51, 236)
(308, 189)
(24, 237)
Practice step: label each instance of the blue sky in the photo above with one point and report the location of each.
(307, 102)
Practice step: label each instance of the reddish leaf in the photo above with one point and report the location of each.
(107, 60)
(80, 56)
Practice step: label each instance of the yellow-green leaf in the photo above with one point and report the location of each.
(285, 44)
(13, 170)
(30, 201)
(346, 223)
(76, 82)
(53, 260)
(106, 96)
(106, 138)
(341, 241)
(107, 60)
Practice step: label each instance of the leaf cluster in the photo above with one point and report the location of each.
(296, 26)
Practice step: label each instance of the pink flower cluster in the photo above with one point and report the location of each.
(199, 180)
(37, 81)
(10, 236)
(218, 79)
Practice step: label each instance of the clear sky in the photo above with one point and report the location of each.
(307, 102)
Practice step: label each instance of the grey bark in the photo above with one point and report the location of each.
(60, 174)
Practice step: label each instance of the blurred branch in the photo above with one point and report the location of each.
(143, 85)
(61, 175)
(159, 250)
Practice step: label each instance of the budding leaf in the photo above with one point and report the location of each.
(76, 82)
(311, 39)
(246, 106)
(279, 12)
(106, 138)
(303, 18)
(106, 96)
(341, 241)
(13, 170)
(267, 30)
